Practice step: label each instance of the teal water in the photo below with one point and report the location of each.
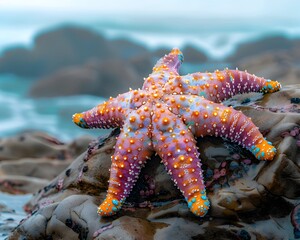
(11, 217)
(19, 113)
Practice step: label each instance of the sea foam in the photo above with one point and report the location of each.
(20, 113)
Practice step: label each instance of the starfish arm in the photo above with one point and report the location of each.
(221, 85)
(170, 62)
(176, 146)
(109, 114)
(132, 149)
(204, 118)
(166, 67)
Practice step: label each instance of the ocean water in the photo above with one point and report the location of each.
(10, 218)
(218, 38)
(53, 115)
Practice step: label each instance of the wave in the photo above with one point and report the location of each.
(52, 115)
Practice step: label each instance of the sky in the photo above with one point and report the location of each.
(287, 9)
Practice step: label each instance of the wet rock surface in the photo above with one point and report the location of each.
(30, 160)
(250, 199)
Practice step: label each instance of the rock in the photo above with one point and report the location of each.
(81, 61)
(130, 228)
(143, 64)
(39, 168)
(295, 221)
(95, 78)
(79, 145)
(55, 49)
(32, 145)
(15, 184)
(193, 55)
(17, 60)
(127, 49)
(64, 47)
(272, 57)
(29, 160)
(103, 77)
(282, 66)
(264, 45)
(40, 145)
(66, 207)
(159, 52)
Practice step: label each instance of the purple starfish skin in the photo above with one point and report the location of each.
(165, 117)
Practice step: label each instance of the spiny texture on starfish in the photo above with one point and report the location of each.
(165, 116)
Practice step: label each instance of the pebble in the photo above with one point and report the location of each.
(216, 174)
(209, 173)
(152, 185)
(233, 165)
(236, 156)
(247, 161)
(293, 133)
(295, 100)
(244, 235)
(9, 219)
(223, 164)
(223, 172)
(285, 134)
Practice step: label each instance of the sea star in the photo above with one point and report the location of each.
(165, 116)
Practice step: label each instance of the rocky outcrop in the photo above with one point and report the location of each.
(55, 49)
(64, 47)
(31, 144)
(282, 66)
(193, 55)
(250, 198)
(96, 78)
(40, 145)
(261, 46)
(30, 160)
(272, 57)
